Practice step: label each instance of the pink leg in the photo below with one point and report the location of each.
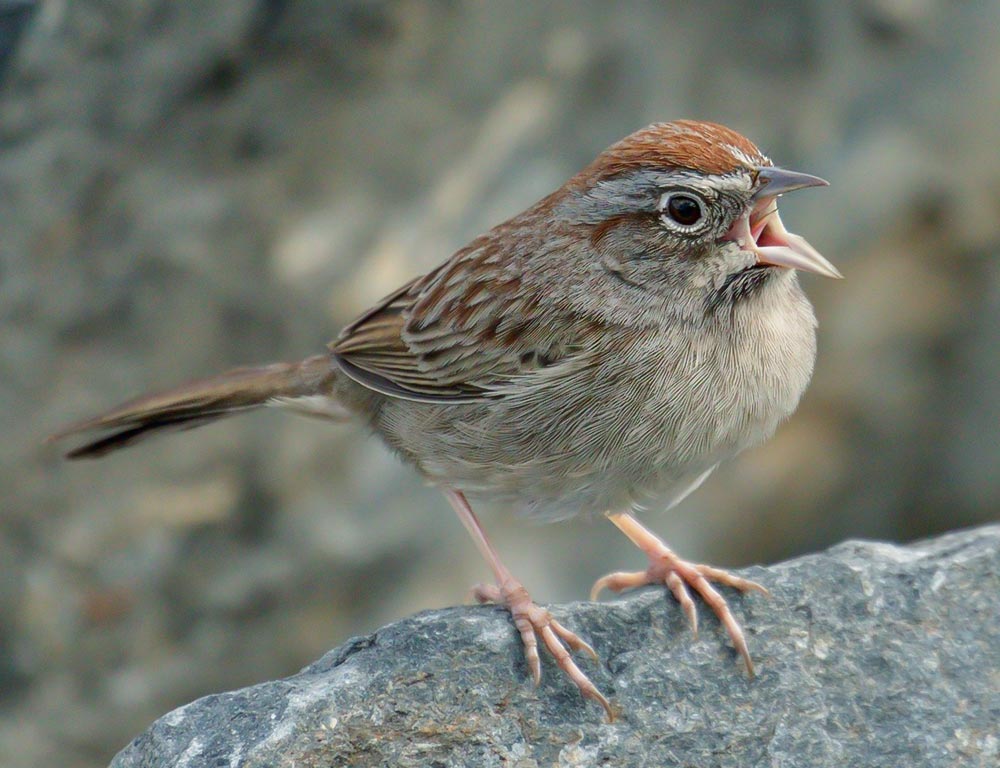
(665, 567)
(529, 619)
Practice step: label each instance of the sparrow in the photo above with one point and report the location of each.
(600, 353)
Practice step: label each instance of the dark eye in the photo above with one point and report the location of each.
(683, 209)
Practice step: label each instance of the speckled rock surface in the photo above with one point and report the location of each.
(868, 655)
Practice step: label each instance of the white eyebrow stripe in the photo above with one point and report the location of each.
(742, 157)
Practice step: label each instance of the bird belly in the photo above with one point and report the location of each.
(640, 430)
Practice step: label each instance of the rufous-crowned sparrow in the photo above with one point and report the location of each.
(599, 353)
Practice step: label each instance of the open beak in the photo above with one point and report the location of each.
(761, 232)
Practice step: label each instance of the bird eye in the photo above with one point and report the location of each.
(683, 209)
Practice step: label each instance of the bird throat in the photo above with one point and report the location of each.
(741, 285)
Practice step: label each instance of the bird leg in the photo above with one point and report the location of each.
(665, 567)
(530, 619)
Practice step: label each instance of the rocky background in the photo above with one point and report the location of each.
(189, 186)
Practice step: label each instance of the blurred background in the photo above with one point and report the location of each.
(190, 186)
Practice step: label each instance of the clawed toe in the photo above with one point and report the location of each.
(681, 578)
(619, 582)
(728, 579)
(533, 622)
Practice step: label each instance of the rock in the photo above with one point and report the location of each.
(868, 654)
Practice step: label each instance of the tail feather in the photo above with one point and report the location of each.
(200, 402)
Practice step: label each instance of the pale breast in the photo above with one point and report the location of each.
(638, 427)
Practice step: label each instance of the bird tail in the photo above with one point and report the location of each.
(304, 386)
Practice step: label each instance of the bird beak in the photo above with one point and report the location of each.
(777, 181)
(761, 231)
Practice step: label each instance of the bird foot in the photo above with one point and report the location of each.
(533, 622)
(666, 568)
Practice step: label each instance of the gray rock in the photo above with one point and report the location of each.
(868, 655)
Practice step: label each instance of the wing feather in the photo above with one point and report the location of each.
(463, 332)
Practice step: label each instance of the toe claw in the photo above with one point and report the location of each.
(681, 577)
(526, 629)
(486, 593)
(619, 582)
(595, 695)
(683, 596)
(720, 576)
(599, 586)
(572, 640)
(534, 623)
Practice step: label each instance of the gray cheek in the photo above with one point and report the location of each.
(734, 257)
(707, 265)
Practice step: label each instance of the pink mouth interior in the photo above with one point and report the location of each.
(766, 237)
(759, 229)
